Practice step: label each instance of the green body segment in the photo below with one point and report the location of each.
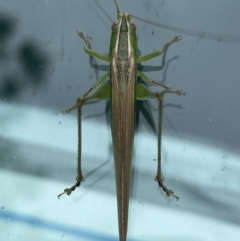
(123, 77)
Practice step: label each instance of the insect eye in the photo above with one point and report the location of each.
(114, 25)
(133, 25)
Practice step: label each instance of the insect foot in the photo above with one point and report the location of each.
(68, 191)
(66, 110)
(177, 38)
(168, 192)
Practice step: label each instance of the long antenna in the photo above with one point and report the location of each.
(118, 11)
(228, 38)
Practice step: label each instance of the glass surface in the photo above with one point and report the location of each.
(43, 69)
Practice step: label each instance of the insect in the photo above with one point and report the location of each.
(122, 91)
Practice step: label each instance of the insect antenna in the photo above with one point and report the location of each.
(118, 11)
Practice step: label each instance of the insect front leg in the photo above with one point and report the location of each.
(91, 52)
(154, 55)
(158, 52)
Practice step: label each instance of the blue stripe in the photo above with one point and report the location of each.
(52, 226)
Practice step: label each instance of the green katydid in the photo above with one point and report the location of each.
(123, 90)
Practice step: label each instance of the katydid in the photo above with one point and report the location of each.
(123, 90)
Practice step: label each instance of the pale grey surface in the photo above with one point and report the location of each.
(208, 71)
(39, 164)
